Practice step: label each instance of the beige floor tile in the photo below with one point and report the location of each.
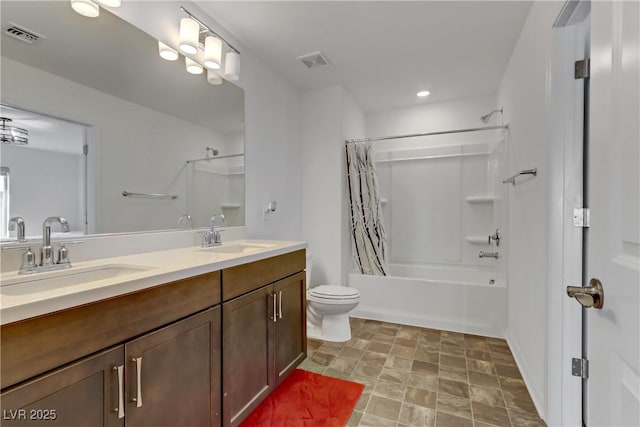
(343, 364)
(336, 374)
(453, 361)
(490, 414)
(448, 420)
(478, 378)
(383, 407)
(525, 419)
(351, 353)
(402, 350)
(323, 359)
(454, 388)
(413, 415)
(379, 347)
(423, 381)
(424, 367)
(453, 405)
(354, 420)
(454, 374)
(398, 362)
(479, 355)
(407, 342)
(481, 366)
(394, 375)
(508, 371)
(487, 395)
(420, 397)
(426, 355)
(369, 420)
(390, 390)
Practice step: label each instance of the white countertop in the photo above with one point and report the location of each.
(155, 268)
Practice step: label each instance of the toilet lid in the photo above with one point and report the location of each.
(334, 292)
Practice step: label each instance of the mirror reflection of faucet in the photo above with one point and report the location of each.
(187, 220)
(18, 222)
(495, 237)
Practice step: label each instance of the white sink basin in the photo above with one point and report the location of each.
(39, 282)
(238, 247)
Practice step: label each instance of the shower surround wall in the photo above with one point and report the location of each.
(439, 213)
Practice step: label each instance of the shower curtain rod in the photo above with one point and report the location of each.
(384, 138)
(215, 158)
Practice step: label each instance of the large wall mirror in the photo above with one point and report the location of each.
(106, 115)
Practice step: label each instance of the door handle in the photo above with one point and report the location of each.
(120, 409)
(280, 305)
(588, 296)
(138, 398)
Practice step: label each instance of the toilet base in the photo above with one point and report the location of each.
(335, 328)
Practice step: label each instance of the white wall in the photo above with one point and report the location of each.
(523, 93)
(44, 183)
(329, 116)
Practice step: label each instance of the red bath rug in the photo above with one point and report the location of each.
(307, 399)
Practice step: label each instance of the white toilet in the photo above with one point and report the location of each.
(328, 310)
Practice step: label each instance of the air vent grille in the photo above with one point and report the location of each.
(314, 60)
(22, 34)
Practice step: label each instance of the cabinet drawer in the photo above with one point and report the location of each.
(37, 345)
(245, 278)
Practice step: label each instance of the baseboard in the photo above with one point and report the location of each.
(425, 323)
(536, 395)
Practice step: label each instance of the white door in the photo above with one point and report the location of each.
(613, 195)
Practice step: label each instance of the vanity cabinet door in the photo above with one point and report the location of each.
(247, 324)
(173, 374)
(290, 329)
(85, 393)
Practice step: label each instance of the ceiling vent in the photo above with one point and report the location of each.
(314, 60)
(22, 34)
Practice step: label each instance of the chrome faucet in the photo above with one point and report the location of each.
(46, 252)
(212, 237)
(495, 237)
(19, 222)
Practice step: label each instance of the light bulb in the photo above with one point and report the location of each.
(166, 52)
(212, 52)
(86, 8)
(232, 66)
(189, 34)
(192, 66)
(214, 78)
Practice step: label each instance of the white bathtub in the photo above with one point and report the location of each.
(450, 298)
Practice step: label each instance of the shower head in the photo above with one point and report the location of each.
(214, 152)
(486, 117)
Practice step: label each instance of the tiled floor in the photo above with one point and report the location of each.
(425, 377)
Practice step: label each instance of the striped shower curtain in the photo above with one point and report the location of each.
(368, 238)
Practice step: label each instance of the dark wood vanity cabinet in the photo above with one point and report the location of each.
(169, 355)
(169, 377)
(264, 336)
(83, 394)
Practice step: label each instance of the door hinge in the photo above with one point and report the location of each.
(580, 368)
(85, 149)
(582, 69)
(581, 217)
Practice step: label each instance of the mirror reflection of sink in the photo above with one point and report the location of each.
(28, 284)
(238, 247)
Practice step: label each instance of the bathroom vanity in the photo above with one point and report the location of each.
(195, 337)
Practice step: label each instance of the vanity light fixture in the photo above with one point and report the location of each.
(12, 134)
(212, 52)
(423, 93)
(167, 52)
(192, 66)
(213, 77)
(86, 8)
(195, 35)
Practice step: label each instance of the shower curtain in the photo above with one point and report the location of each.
(368, 238)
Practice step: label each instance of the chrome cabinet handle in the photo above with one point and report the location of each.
(275, 308)
(120, 408)
(280, 305)
(138, 398)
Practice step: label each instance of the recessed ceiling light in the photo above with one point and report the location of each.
(423, 93)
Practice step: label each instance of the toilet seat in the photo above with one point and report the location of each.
(333, 293)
